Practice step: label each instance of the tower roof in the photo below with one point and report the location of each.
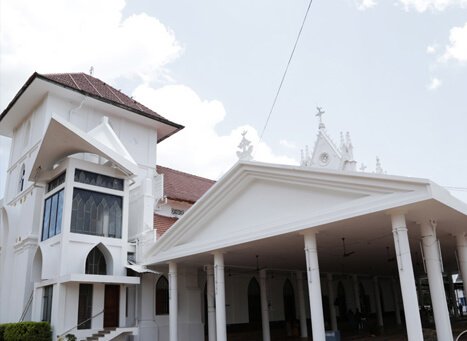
(88, 86)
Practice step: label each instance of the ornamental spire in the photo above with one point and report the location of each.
(320, 115)
(246, 150)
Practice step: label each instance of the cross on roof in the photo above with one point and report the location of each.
(320, 114)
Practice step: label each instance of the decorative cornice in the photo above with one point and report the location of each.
(24, 243)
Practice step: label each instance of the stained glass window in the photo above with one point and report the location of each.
(96, 213)
(100, 180)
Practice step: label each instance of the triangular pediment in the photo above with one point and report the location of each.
(106, 135)
(73, 140)
(255, 201)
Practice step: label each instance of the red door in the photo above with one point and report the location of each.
(111, 306)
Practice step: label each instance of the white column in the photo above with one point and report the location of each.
(397, 308)
(301, 305)
(332, 307)
(461, 241)
(173, 302)
(379, 311)
(314, 286)
(210, 301)
(264, 305)
(432, 255)
(219, 282)
(406, 277)
(356, 290)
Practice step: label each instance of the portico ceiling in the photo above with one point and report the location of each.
(365, 225)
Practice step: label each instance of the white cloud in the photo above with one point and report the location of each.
(434, 84)
(457, 49)
(199, 148)
(365, 4)
(66, 36)
(433, 5)
(431, 49)
(287, 144)
(71, 36)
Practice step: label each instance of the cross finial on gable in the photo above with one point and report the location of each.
(320, 114)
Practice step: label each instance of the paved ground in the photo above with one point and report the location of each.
(389, 334)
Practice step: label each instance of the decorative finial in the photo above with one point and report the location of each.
(379, 169)
(320, 114)
(245, 152)
(362, 167)
(91, 70)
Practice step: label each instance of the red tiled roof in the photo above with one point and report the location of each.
(95, 88)
(162, 224)
(183, 186)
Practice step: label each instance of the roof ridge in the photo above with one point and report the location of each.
(189, 174)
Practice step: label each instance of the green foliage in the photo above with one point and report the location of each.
(70, 337)
(2, 330)
(31, 331)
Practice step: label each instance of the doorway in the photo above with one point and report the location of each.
(111, 306)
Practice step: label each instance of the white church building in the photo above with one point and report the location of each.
(98, 239)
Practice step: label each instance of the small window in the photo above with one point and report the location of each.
(47, 303)
(162, 296)
(22, 173)
(100, 180)
(56, 182)
(95, 263)
(53, 211)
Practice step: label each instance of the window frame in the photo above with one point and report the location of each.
(47, 298)
(161, 304)
(58, 221)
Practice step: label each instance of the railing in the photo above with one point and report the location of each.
(59, 337)
(26, 307)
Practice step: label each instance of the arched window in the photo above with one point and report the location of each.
(22, 173)
(95, 263)
(289, 301)
(254, 302)
(162, 296)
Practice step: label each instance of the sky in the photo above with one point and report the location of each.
(393, 73)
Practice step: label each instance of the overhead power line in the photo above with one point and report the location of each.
(285, 72)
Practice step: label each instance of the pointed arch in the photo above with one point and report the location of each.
(254, 302)
(289, 301)
(364, 299)
(21, 178)
(341, 300)
(36, 273)
(162, 296)
(99, 261)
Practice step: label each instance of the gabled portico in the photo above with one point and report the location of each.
(262, 217)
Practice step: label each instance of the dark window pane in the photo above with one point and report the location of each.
(59, 212)
(56, 182)
(53, 215)
(47, 303)
(95, 263)
(85, 306)
(100, 180)
(53, 212)
(162, 296)
(45, 224)
(101, 215)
